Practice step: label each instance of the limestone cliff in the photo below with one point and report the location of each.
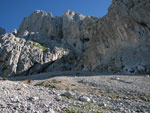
(117, 43)
(122, 40)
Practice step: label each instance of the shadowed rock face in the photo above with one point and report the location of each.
(117, 43)
(121, 43)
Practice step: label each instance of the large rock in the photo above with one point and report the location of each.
(77, 30)
(2, 31)
(19, 56)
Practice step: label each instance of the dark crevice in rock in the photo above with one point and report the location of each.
(86, 40)
(21, 52)
(143, 24)
(44, 67)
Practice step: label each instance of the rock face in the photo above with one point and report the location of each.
(121, 43)
(24, 57)
(2, 31)
(116, 43)
(71, 27)
(42, 22)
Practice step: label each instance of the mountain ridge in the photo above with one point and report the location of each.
(115, 43)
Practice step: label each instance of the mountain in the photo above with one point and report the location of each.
(116, 43)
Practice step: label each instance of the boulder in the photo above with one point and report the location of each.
(19, 56)
(84, 99)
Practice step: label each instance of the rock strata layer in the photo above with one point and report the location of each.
(116, 43)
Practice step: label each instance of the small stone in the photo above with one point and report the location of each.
(79, 102)
(94, 101)
(51, 111)
(84, 99)
(58, 98)
(117, 78)
(33, 98)
(14, 99)
(24, 85)
(103, 104)
(67, 94)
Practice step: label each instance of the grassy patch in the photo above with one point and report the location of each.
(5, 78)
(39, 84)
(114, 96)
(87, 107)
(39, 46)
(103, 108)
(47, 85)
(82, 82)
(51, 85)
(27, 81)
(19, 43)
(3, 88)
(68, 110)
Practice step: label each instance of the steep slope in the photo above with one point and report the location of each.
(71, 27)
(122, 41)
(117, 43)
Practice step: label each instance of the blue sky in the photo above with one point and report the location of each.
(12, 12)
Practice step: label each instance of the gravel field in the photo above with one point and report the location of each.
(82, 94)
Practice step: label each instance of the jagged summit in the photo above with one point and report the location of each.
(74, 15)
(115, 43)
(69, 12)
(42, 13)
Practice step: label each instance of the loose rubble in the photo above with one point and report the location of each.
(94, 94)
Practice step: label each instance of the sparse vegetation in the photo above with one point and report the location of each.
(19, 43)
(68, 110)
(47, 85)
(39, 84)
(5, 78)
(51, 85)
(103, 108)
(27, 81)
(82, 82)
(3, 88)
(39, 46)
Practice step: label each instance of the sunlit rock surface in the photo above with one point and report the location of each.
(116, 43)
